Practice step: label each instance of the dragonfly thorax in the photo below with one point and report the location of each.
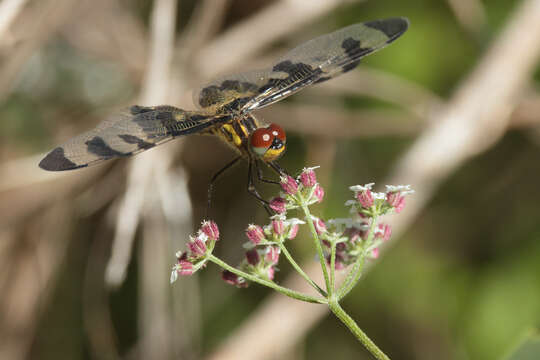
(268, 143)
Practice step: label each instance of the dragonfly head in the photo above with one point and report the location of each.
(268, 143)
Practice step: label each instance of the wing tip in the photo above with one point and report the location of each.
(56, 160)
(391, 27)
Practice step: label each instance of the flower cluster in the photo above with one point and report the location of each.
(344, 241)
(303, 190)
(337, 242)
(199, 246)
(263, 249)
(359, 235)
(369, 203)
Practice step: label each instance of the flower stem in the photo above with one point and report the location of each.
(318, 246)
(332, 267)
(299, 269)
(356, 272)
(285, 291)
(353, 327)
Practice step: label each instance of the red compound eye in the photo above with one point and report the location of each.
(276, 131)
(261, 139)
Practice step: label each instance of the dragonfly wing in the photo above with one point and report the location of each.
(326, 57)
(315, 61)
(229, 93)
(125, 134)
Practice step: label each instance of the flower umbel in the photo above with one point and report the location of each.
(340, 244)
(200, 247)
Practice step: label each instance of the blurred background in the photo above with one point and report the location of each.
(451, 108)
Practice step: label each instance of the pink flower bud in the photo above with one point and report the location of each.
(318, 193)
(197, 246)
(184, 266)
(338, 262)
(255, 234)
(211, 230)
(320, 226)
(272, 254)
(278, 205)
(365, 198)
(278, 226)
(375, 253)
(253, 257)
(384, 232)
(289, 185)
(292, 231)
(308, 178)
(354, 234)
(396, 200)
(233, 279)
(271, 272)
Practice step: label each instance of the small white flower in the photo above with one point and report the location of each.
(202, 236)
(294, 221)
(347, 222)
(378, 195)
(398, 188)
(174, 274)
(281, 217)
(358, 188)
(360, 225)
(178, 254)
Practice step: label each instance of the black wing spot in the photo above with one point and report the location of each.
(354, 51)
(303, 73)
(56, 160)
(141, 144)
(214, 94)
(99, 147)
(392, 28)
(137, 109)
(293, 68)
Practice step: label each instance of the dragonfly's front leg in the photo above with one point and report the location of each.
(260, 174)
(281, 171)
(213, 180)
(253, 191)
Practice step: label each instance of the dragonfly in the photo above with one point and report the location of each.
(225, 107)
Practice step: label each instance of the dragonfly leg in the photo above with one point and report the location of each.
(253, 191)
(281, 171)
(213, 180)
(260, 174)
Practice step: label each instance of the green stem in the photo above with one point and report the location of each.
(285, 291)
(332, 268)
(299, 269)
(353, 327)
(352, 277)
(318, 246)
(356, 272)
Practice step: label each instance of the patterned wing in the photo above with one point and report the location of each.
(315, 61)
(127, 133)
